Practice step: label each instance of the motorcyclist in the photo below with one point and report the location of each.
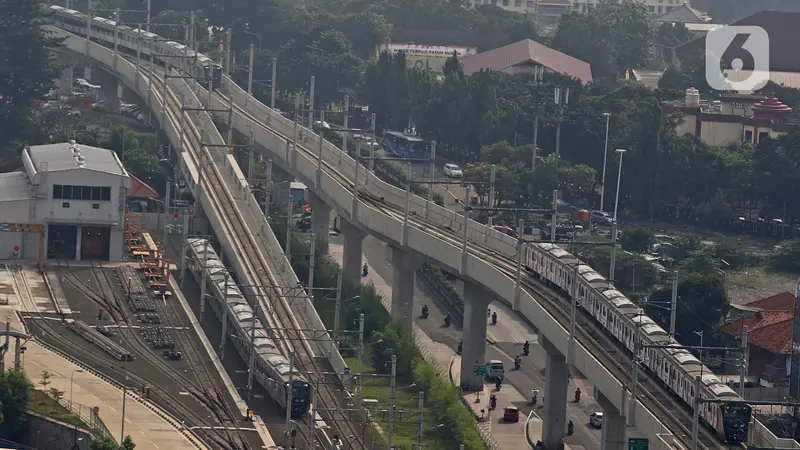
(494, 318)
(534, 396)
(517, 362)
(526, 348)
(460, 347)
(447, 320)
(425, 310)
(499, 383)
(577, 395)
(570, 428)
(493, 401)
(365, 269)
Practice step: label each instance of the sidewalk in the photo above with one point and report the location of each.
(506, 436)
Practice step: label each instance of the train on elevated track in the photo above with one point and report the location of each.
(271, 368)
(676, 367)
(722, 410)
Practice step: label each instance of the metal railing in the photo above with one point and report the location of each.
(92, 421)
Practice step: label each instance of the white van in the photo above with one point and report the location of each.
(495, 369)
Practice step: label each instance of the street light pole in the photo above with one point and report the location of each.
(673, 308)
(274, 80)
(605, 158)
(614, 223)
(71, 381)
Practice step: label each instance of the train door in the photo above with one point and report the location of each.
(62, 241)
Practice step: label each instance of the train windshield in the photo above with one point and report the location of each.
(300, 392)
(735, 421)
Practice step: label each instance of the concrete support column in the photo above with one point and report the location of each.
(613, 424)
(87, 73)
(17, 352)
(66, 80)
(474, 350)
(112, 96)
(78, 243)
(353, 250)
(554, 425)
(405, 264)
(320, 221)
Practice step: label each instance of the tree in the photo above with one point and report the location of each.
(395, 340)
(702, 304)
(27, 67)
(137, 152)
(684, 246)
(638, 240)
(56, 395)
(786, 258)
(110, 444)
(14, 391)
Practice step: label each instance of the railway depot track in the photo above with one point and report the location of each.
(208, 413)
(246, 246)
(597, 341)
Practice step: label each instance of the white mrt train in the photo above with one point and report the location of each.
(677, 368)
(135, 40)
(272, 370)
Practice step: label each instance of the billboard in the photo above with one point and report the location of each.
(794, 375)
(430, 57)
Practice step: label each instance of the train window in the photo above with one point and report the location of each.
(95, 205)
(65, 205)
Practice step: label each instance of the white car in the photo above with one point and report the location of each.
(453, 171)
(596, 419)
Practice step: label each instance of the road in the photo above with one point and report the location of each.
(508, 335)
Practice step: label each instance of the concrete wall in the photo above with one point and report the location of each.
(49, 434)
(52, 210)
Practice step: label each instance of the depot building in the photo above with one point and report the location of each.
(68, 202)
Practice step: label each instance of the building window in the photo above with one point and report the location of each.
(65, 205)
(530, 3)
(748, 136)
(95, 205)
(763, 135)
(505, 2)
(96, 193)
(517, 3)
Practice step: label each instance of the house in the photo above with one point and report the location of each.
(526, 57)
(769, 323)
(141, 196)
(684, 14)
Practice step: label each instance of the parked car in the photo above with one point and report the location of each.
(601, 218)
(596, 419)
(511, 414)
(453, 171)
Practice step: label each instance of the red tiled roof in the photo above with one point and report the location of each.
(770, 329)
(528, 51)
(140, 189)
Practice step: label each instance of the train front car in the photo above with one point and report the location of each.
(213, 74)
(735, 421)
(301, 395)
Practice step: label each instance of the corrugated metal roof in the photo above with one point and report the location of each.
(59, 157)
(14, 186)
(528, 51)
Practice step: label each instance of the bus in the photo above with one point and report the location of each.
(404, 145)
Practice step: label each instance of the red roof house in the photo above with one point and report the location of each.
(769, 334)
(523, 57)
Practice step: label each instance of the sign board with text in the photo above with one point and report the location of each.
(638, 444)
(479, 371)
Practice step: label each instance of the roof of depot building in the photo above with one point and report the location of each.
(60, 157)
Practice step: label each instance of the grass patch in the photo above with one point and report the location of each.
(406, 424)
(43, 404)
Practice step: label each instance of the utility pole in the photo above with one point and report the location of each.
(345, 123)
(673, 308)
(312, 256)
(391, 401)
(420, 430)
(518, 277)
(311, 103)
(252, 360)
(185, 233)
(148, 15)
(250, 73)
(251, 154)
(224, 318)
(287, 432)
(227, 53)
(268, 188)
(203, 281)
(635, 384)
(743, 366)
(555, 216)
(696, 413)
(312, 416)
(166, 216)
(431, 178)
(492, 177)
(605, 159)
(611, 272)
(360, 356)
(122, 431)
(288, 247)
(572, 308)
(321, 139)
(274, 80)
(559, 116)
(338, 310)
(372, 126)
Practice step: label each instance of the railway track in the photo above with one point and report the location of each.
(243, 241)
(214, 428)
(598, 342)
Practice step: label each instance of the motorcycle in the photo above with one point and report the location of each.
(526, 349)
(499, 384)
(425, 312)
(365, 270)
(517, 363)
(534, 397)
(493, 402)
(460, 347)
(447, 320)
(577, 395)
(570, 428)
